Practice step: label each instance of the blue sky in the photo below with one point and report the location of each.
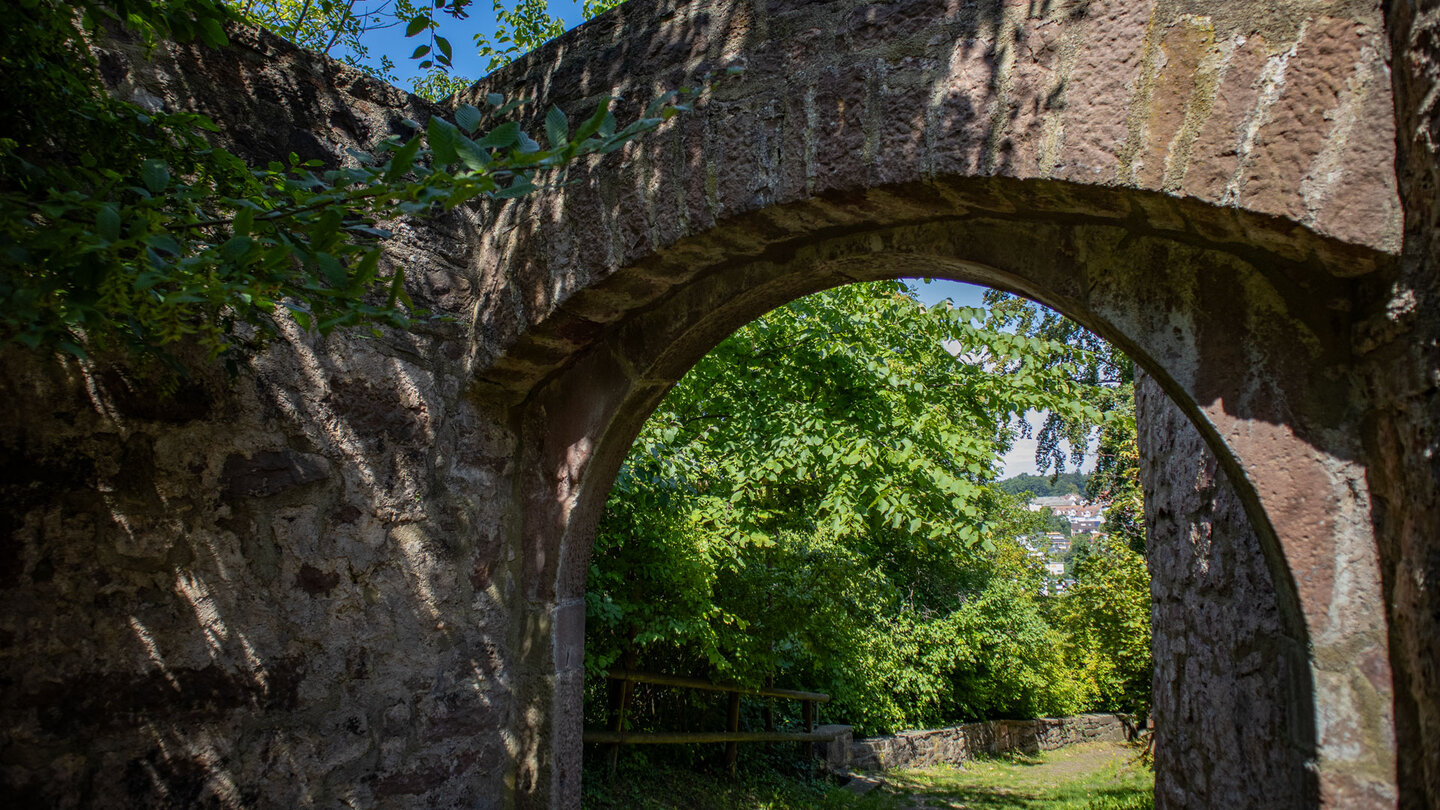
(461, 33)
(937, 290)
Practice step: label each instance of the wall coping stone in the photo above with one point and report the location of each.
(926, 747)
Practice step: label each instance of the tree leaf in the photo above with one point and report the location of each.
(402, 160)
(107, 222)
(557, 127)
(333, 271)
(471, 154)
(517, 189)
(244, 220)
(468, 117)
(235, 248)
(442, 136)
(212, 33)
(501, 137)
(164, 243)
(155, 175)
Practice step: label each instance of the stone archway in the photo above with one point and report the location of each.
(582, 421)
(1205, 191)
(351, 574)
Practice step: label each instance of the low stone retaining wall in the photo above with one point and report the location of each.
(918, 749)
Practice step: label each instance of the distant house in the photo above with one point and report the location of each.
(1054, 503)
(1082, 516)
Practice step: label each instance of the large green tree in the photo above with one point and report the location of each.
(1105, 615)
(1104, 621)
(816, 501)
(1109, 376)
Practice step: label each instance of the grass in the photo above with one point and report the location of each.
(765, 782)
(1096, 776)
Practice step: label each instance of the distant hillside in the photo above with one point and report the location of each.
(1040, 486)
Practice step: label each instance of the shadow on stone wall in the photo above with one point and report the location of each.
(284, 587)
(1230, 681)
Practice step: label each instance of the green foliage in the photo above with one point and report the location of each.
(121, 227)
(1051, 522)
(339, 28)
(815, 502)
(438, 85)
(594, 8)
(344, 30)
(527, 26)
(1094, 365)
(1110, 377)
(518, 31)
(1116, 479)
(1105, 616)
(1045, 486)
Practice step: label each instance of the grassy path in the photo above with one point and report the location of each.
(1095, 776)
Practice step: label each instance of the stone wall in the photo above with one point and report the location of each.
(288, 585)
(926, 747)
(1227, 668)
(1400, 339)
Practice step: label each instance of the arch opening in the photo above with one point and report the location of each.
(1228, 551)
(1169, 303)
